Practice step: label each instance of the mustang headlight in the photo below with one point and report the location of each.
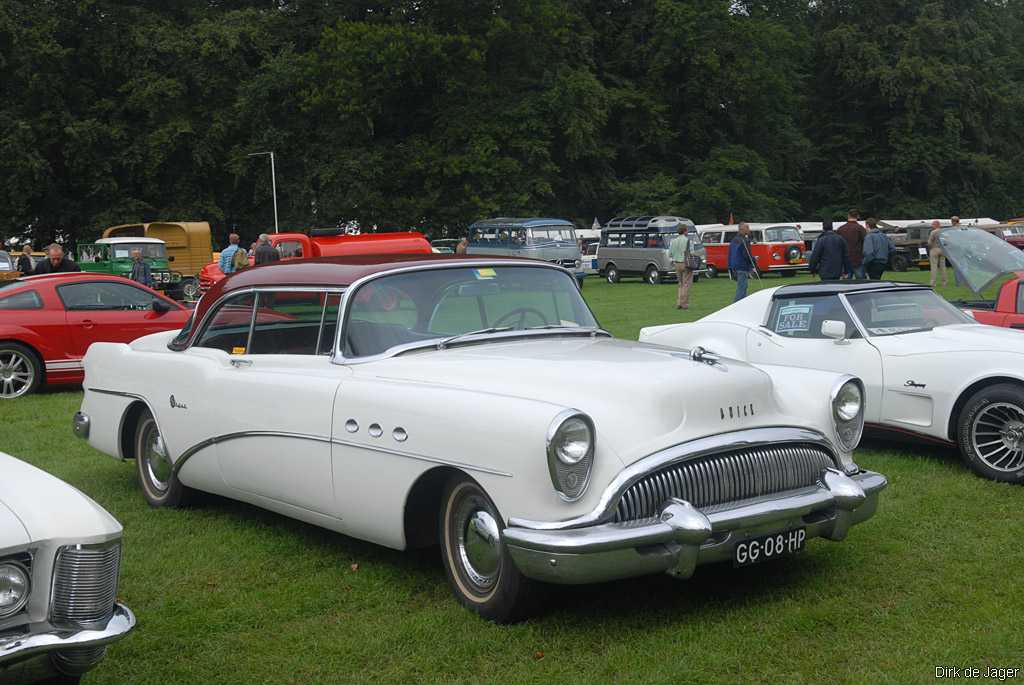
(570, 445)
(14, 587)
(848, 412)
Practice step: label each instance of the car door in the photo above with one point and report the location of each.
(791, 336)
(107, 311)
(272, 383)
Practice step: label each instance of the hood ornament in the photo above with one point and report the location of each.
(699, 354)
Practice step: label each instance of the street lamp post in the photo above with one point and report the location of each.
(273, 181)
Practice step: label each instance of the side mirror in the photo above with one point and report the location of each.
(161, 307)
(835, 330)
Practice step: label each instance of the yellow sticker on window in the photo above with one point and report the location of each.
(237, 350)
(484, 273)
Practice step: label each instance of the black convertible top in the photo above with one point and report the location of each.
(836, 287)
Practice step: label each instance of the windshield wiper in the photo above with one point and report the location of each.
(445, 342)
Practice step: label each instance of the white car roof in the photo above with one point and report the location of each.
(121, 241)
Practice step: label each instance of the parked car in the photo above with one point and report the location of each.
(930, 371)
(984, 260)
(1011, 233)
(60, 557)
(549, 240)
(379, 396)
(48, 322)
(113, 256)
(328, 242)
(188, 244)
(911, 247)
(8, 267)
(638, 246)
(775, 248)
(445, 245)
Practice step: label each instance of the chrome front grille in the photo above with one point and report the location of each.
(85, 584)
(721, 478)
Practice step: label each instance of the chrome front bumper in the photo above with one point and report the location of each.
(26, 652)
(80, 425)
(683, 537)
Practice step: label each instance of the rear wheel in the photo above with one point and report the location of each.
(990, 432)
(190, 288)
(900, 262)
(712, 271)
(20, 371)
(652, 276)
(611, 273)
(160, 484)
(476, 560)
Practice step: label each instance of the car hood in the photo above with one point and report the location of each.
(35, 507)
(980, 257)
(642, 397)
(952, 339)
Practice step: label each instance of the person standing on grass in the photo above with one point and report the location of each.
(853, 233)
(56, 262)
(141, 272)
(227, 257)
(462, 246)
(741, 262)
(878, 249)
(679, 250)
(830, 258)
(265, 252)
(936, 257)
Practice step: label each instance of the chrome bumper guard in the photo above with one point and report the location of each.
(683, 537)
(64, 644)
(80, 425)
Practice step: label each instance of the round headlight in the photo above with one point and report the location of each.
(848, 402)
(14, 586)
(572, 442)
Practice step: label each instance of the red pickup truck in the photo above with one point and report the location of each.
(981, 260)
(330, 243)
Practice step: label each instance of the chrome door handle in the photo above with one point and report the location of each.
(238, 363)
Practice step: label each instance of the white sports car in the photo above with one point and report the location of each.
(424, 400)
(930, 371)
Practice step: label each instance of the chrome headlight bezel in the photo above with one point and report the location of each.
(570, 479)
(848, 432)
(27, 580)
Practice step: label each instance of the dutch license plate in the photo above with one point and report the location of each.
(766, 547)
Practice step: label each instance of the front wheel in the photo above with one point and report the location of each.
(652, 276)
(160, 484)
(611, 274)
(476, 560)
(990, 432)
(712, 271)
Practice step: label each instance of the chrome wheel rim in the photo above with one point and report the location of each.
(611, 275)
(190, 289)
(154, 455)
(997, 436)
(16, 374)
(478, 545)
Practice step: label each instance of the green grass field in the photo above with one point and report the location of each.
(227, 593)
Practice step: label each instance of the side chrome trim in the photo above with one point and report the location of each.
(184, 457)
(604, 511)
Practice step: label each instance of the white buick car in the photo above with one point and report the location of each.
(60, 554)
(930, 371)
(412, 401)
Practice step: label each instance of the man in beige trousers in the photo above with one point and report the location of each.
(936, 257)
(677, 251)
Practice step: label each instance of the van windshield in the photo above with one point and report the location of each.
(547, 234)
(149, 250)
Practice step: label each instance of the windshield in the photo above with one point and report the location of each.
(435, 304)
(5, 262)
(546, 234)
(149, 250)
(782, 234)
(980, 257)
(906, 311)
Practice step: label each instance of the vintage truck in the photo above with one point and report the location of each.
(330, 242)
(114, 256)
(188, 246)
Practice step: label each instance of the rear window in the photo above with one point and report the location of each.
(27, 299)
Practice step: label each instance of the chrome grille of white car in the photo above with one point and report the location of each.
(721, 478)
(85, 584)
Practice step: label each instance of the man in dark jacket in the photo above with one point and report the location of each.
(56, 262)
(26, 265)
(141, 271)
(830, 258)
(741, 261)
(853, 233)
(265, 252)
(878, 249)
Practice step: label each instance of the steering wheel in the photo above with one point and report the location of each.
(522, 312)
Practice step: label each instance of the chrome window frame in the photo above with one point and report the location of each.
(338, 356)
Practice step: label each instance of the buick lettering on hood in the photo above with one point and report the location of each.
(415, 400)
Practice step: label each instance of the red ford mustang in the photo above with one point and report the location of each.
(48, 322)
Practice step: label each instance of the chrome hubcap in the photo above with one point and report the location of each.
(158, 465)
(16, 374)
(480, 548)
(997, 435)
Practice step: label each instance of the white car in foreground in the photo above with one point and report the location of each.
(60, 553)
(424, 400)
(930, 371)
